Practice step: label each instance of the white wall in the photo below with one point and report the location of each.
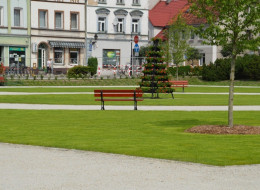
(51, 7)
(23, 5)
(111, 5)
(3, 4)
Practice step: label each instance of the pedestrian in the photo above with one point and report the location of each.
(49, 66)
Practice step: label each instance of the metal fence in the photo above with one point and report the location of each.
(124, 66)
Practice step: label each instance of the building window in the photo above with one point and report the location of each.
(58, 55)
(1, 16)
(59, 20)
(17, 17)
(135, 26)
(202, 59)
(74, 56)
(120, 2)
(192, 35)
(120, 25)
(43, 19)
(102, 1)
(74, 21)
(102, 24)
(136, 2)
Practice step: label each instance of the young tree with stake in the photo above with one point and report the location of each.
(230, 23)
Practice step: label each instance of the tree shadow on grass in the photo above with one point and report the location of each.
(184, 123)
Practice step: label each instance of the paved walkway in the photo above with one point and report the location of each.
(144, 108)
(30, 168)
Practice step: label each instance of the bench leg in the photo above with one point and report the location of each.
(182, 89)
(102, 105)
(172, 95)
(135, 105)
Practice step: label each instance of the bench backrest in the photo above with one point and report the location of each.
(183, 83)
(118, 93)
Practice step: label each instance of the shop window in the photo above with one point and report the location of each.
(111, 58)
(58, 55)
(59, 20)
(17, 17)
(74, 19)
(16, 55)
(43, 19)
(74, 56)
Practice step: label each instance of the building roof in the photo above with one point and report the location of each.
(190, 19)
(163, 12)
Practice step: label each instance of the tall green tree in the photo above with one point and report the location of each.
(177, 44)
(233, 23)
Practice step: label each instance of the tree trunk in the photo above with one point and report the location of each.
(177, 73)
(231, 92)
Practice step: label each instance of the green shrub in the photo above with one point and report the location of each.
(93, 64)
(183, 70)
(247, 68)
(78, 71)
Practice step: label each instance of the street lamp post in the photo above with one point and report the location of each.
(131, 41)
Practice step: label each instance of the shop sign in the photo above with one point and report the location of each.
(16, 49)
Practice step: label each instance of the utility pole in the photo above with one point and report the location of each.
(86, 33)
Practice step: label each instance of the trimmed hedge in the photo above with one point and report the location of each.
(93, 64)
(247, 68)
(79, 72)
(182, 71)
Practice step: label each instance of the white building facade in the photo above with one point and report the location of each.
(58, 33)
(116, 23)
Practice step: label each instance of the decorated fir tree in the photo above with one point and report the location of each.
(155, 79)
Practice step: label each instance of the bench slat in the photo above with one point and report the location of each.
(124, 100)
(118, 95)
(118, 91)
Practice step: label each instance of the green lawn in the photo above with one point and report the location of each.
(189, 89)
(88, 99)
(156, 134)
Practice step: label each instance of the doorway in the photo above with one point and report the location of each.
(42, 56)
(1, 54)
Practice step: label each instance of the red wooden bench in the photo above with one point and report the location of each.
(118, 95)
(183, 84)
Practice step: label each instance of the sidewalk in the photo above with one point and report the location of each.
(31, 167)
(142, 108)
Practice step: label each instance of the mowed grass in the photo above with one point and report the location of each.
(91, 89)
(155, 134)
(165, 100)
